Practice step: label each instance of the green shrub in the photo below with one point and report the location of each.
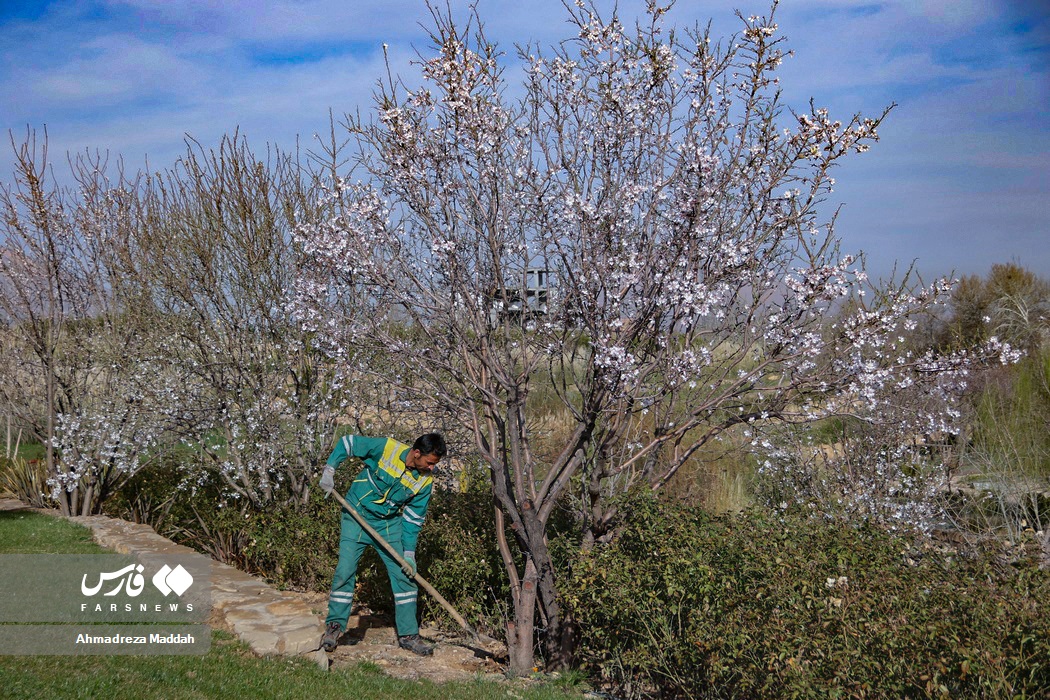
(149, 495)
(291, 545)
(294, 546)
(458, 555)
(299, 548)
(686, 604)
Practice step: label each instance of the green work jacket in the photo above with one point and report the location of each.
(386, 488)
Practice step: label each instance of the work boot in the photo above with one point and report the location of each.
(332, 632)
(415, 644)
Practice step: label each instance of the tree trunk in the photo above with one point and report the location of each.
(521, 631)
(52, 468)
(558, 656)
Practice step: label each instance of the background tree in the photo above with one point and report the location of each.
(969, 312)
(1011, 303)
(151, 314)
(37, 290)
(212, 257)
(1020, 305)
(71, 375)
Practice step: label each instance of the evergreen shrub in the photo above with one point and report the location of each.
(458, 555)
(294, 545)
(687, 604)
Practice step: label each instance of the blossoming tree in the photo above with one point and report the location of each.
(70, 376)
(674, 203)
(211, 255)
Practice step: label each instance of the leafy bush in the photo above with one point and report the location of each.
(686, 604)
(150, 494)
(299, 548)
(292, 545)
(458, 555)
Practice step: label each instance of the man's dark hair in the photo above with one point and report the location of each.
(430, 444)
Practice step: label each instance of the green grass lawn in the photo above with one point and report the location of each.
(228, 671)
(26, 532)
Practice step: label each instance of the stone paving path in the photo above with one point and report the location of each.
(276, 622)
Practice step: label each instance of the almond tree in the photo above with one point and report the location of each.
(674, 203)
(73, 373)
(211, 255)
(37, 292)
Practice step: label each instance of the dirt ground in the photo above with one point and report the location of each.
(372, 638)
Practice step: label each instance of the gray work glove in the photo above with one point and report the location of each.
(327, 482)
(410, 559)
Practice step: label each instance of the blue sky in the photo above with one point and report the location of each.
(961, 179)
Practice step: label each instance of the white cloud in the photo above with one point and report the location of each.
(117, 66)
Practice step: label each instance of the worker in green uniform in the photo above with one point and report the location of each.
(391, 493)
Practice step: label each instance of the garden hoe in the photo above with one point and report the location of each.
(479, 638)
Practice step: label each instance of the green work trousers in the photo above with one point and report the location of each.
(352, 542)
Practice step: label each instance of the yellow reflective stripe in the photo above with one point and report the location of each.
(391, 463)
(375, 489)
(413, 483)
